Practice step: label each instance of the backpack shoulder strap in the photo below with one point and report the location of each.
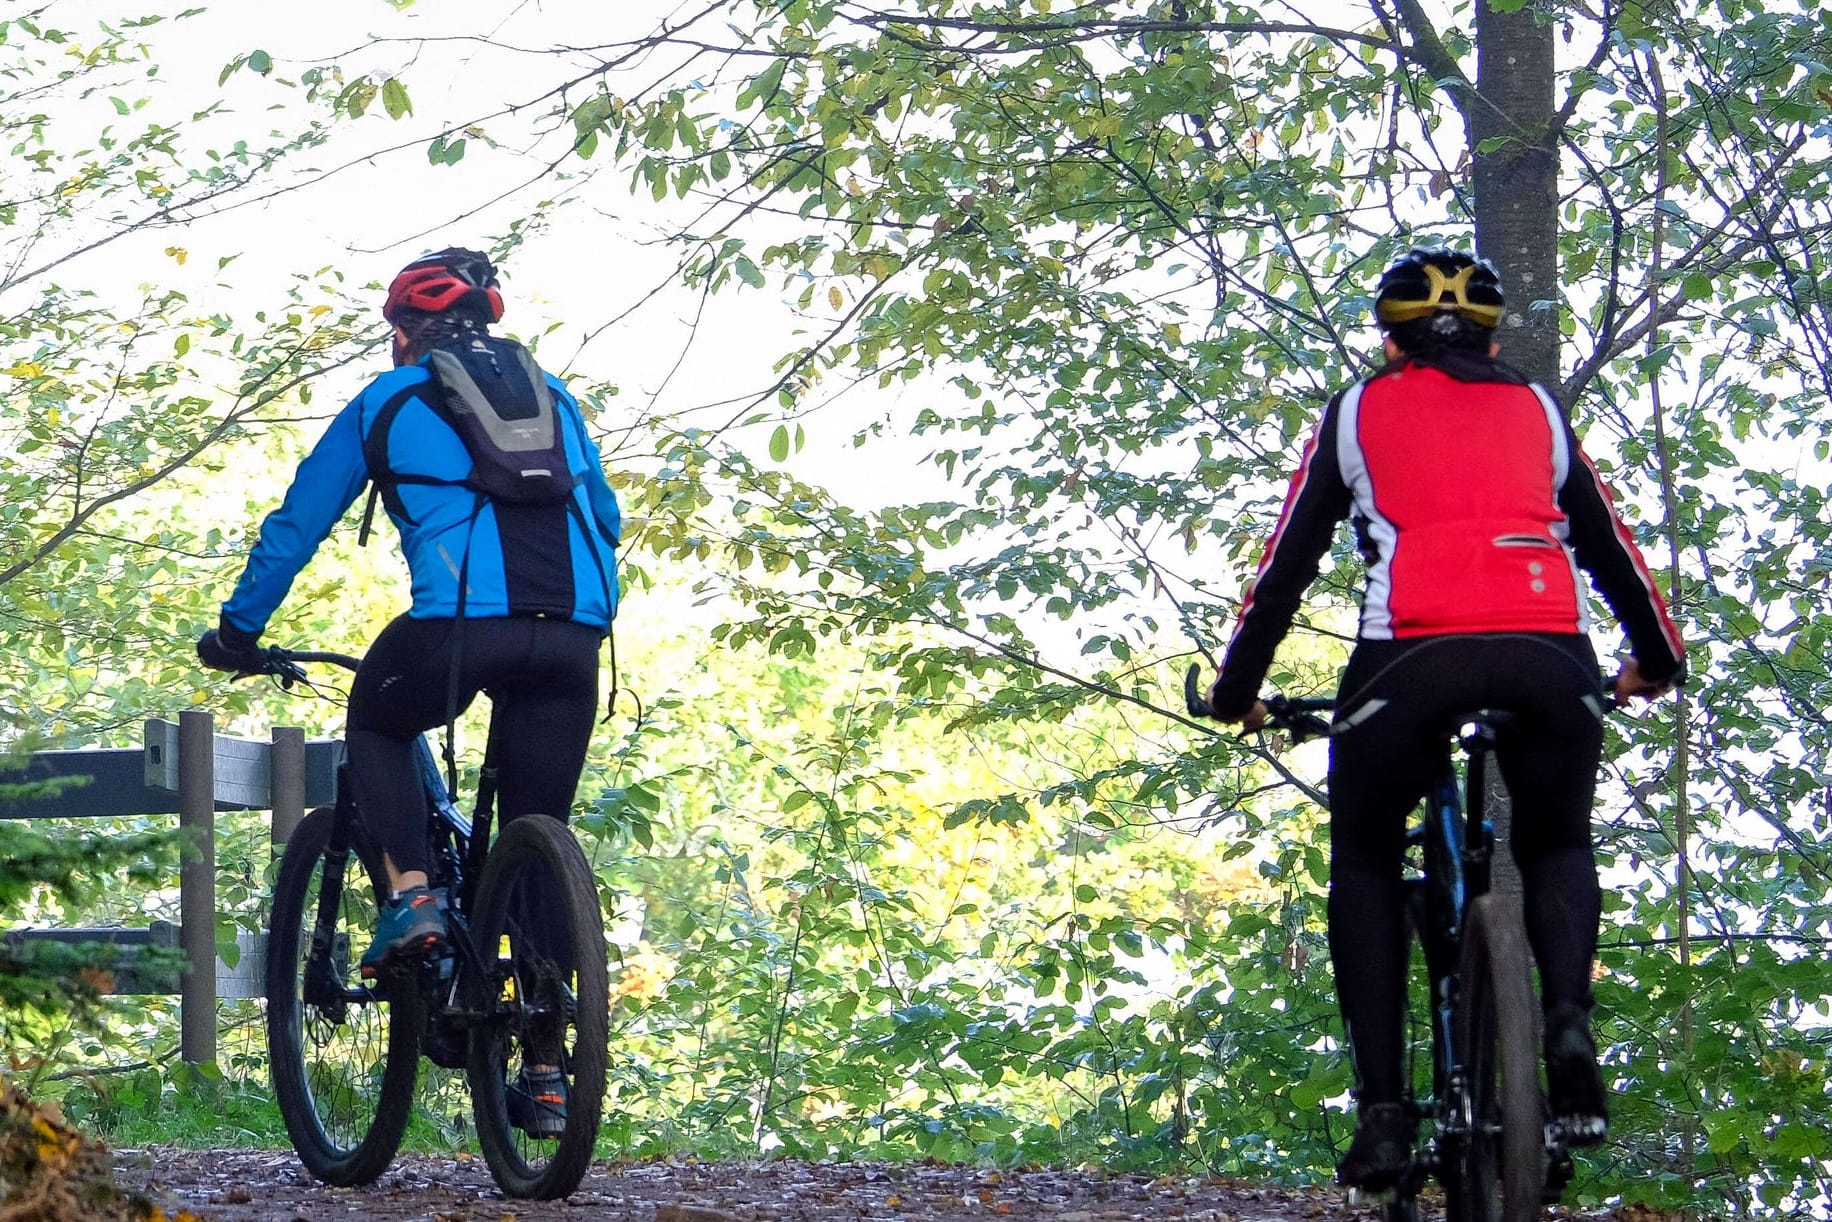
(385, 483)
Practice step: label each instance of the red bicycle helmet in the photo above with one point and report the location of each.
(435, 283)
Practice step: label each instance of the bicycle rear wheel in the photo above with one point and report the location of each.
(1497, 1168)
(343, 1054)
(540, 931)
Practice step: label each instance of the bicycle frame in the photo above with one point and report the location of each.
(1456, 840)
(459, 846)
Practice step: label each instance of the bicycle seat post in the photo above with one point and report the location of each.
(1480, 733)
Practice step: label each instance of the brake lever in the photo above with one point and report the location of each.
(1300, 724)
(283, 670)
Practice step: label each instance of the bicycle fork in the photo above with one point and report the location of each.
(1436, 903)
(328, 957)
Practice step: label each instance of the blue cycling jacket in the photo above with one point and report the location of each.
(557, 560)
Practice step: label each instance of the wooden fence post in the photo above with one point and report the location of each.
(197, 885)
(286, 782)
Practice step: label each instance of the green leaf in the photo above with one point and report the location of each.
(748, 272)
(779, 443)
(1724, 1131)
(762, 88)
(394, 99)
(445, 152)
(261, 62)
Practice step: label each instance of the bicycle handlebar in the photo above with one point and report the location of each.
(1296, 715)
(286, 664)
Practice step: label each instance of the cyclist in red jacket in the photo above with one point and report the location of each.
(1474, 507)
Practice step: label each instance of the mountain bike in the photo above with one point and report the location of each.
(521, 981)
(1489, 1143)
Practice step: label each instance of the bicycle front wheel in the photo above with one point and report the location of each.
(542, 1007)
(1498, 1164)
(343, 1054)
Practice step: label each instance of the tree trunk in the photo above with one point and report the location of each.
(1514, 179)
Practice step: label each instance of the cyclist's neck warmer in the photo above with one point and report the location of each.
(1461, 364)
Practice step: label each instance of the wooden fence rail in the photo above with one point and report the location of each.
(185, 769)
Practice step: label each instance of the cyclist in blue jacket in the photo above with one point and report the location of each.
(539, 590)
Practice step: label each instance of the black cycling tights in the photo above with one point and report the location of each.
(1397, 694)
(542, 679)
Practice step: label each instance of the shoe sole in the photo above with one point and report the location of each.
(413, 950)
(1580, 1132)
(547, 1117)
(539, 1134)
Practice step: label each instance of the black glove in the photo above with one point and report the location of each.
(227, 647)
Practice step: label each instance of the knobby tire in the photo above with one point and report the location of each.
(1497, 1172)
(343, 1072)
(536, 863)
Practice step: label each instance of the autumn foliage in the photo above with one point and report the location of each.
(49, 1171)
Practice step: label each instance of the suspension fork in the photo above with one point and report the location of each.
(323, 985)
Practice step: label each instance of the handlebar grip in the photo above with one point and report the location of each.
(1296, 715)
(1193, 700)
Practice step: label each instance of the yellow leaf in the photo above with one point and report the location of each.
(26, 369)
(834, 297)
(179, 253)
(52, 416)
(319, 311)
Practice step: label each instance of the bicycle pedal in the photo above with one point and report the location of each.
(405, 959)
(1375, 1196)
(1560, 1171)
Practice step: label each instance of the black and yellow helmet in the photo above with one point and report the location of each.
(1428, 283)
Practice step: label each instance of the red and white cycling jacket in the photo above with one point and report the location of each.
(1475, 507)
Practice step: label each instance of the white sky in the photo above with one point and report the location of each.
(372, 217)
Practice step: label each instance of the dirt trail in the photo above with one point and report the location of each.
(269, 1186)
